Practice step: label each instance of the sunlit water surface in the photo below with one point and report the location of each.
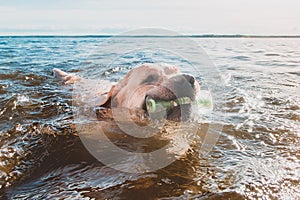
(257, 154)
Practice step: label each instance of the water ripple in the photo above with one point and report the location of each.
(256, 156)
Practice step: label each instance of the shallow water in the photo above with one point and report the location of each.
(257, 154)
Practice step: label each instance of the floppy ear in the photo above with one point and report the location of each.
(94, 92)
(106, 98)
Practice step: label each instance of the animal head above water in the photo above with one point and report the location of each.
(158, 83)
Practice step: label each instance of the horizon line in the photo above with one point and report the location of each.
(150, 36)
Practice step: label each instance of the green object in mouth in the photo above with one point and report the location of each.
(153, 106)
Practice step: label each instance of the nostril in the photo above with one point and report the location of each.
(189, 78)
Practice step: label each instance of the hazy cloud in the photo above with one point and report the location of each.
(191, 16)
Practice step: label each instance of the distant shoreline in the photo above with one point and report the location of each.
(150, 36)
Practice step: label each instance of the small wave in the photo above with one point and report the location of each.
(242, 58)
(258, 51)
(22, 100)
(272, 54)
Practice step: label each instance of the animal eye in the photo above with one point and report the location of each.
(150, 78)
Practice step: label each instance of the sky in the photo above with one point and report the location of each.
(80, 17)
